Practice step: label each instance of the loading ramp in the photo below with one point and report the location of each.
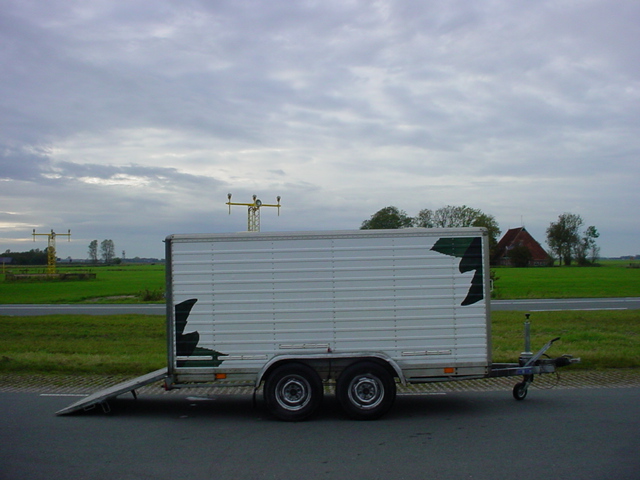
(101, 397)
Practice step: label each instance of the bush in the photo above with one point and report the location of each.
(151, 295)
(520, 256)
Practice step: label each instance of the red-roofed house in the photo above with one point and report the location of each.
(516, 237)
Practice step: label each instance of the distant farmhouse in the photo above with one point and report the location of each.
(516, 238)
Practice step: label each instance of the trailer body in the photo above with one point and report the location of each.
(416, 299)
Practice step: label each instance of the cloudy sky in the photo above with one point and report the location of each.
(132, 120)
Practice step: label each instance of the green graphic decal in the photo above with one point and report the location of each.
(470, 250)
(187, 344)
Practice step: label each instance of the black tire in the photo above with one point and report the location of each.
(293, 392)
(520, 391)
(366, 390)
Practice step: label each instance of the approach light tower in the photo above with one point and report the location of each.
(51, 247)
(253, 211)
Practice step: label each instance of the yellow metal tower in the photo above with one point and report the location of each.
(51, 247)
(253, 211)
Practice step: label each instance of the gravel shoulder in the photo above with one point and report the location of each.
(88, 384)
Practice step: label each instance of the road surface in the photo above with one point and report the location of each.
(550, 305)
(563, 433)
(629, 303)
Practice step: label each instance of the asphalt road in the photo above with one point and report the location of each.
(550, 305)
(574, 433)
(629, 303)
(27, 310)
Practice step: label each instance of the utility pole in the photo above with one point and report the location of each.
(51, 247)
(253, 211)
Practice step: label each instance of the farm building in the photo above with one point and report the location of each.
(517, 238)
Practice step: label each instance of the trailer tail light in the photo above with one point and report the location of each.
(449, 370)
(221, 376)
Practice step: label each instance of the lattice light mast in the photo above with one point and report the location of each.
(253, 211)
(51, 247)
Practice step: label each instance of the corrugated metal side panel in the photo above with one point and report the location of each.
(347, 293)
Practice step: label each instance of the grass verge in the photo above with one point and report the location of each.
(603, 339)
(135, 344)
(82, 344)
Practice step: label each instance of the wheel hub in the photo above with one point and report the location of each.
(367, 392)
(292, 393)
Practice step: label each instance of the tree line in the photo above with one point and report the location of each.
(565, 241)
(445, 217)
(107, 251)
(39, 257)
(32, 257)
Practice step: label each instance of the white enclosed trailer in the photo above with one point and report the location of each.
(365, 308)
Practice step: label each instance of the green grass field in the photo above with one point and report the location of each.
(113, 284)
(612, 279)
(140, 283)
(135, 344)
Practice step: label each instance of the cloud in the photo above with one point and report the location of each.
(144, 115)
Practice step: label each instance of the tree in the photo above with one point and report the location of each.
(563, 237)
(425, 218)
(108, 251)
(489, 222)
(594, 250)
(93, 251)
(454, 216)
(388, 218)
(587, 251)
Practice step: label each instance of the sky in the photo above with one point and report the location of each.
(133, 120)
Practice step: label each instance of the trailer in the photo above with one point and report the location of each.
(362, 310)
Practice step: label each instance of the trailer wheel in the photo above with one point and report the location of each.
(293, 392)
(520, 391)
(366, 390)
